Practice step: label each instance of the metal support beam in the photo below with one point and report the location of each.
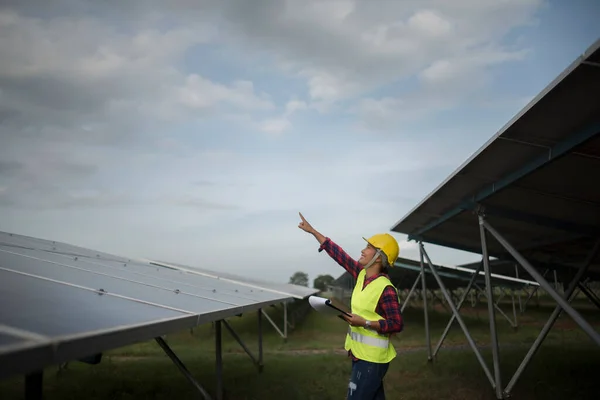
(273, 324)
(512, 297)
(412, 290)
(458, 306)
(590, 295)
(424, 294)
(260, 340)
(496, 306)
(588, 329)
(492, 315)
(34, 385)
(285, 321)
(241, 342)
(534, 291)
(186, 373)
(219, 359)
(458, 317)
(539, 220)
(555, 314)
(519, 292)
(591, 63)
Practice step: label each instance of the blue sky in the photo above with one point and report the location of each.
(195, 132)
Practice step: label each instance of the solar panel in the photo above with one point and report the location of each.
(528, 180)
(296, 291)
(62, 302)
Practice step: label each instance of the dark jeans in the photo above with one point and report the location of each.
(366, 381)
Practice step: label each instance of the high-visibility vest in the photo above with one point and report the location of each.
(366, 344)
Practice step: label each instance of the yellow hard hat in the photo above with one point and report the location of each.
(387, 244)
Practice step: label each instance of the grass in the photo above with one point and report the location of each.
(311, 364)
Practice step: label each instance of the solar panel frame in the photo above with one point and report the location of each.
(26, 350)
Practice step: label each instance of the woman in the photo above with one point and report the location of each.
(375, 310)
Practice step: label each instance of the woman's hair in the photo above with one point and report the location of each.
(385, 265)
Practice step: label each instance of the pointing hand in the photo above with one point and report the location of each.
(304, 225)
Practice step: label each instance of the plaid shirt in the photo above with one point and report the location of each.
(388, 306)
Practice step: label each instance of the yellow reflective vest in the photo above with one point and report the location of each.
(366, 344)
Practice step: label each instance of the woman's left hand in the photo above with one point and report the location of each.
(355, 320)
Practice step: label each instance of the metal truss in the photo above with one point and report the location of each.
(283, 334)
(218, 356)
(563, 304)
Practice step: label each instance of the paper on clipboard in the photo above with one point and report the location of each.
(325, 306)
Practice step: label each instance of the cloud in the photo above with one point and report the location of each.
(345, 48)
(198, 129)
(283, 123)
(91, 80)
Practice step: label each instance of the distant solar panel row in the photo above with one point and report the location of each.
(60, 302)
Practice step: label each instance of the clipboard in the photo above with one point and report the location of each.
(327, 306)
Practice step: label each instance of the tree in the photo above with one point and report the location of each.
(299, 278)
(322, 281)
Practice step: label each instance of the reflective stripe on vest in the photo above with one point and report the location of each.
(371, 341)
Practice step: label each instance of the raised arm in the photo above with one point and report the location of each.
(336, 252)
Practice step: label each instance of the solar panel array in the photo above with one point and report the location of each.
(536, 179)
(61, 302)
(405, 272)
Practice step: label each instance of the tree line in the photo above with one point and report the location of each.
(320, 282)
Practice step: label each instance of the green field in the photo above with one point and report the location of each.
(312, 364)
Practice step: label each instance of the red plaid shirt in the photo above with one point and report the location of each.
(388, 305)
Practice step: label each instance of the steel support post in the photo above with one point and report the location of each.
(285, 322)
(458, 317)
(590, 295)
(519, 291)
(491, 313)
(459, 305)
(555, 314)
(512, 295)
(496, 306)
(34, 386)
(273, 324)
(219, 359)
(260, 340)
(534, 291)
(182, 368)
(239, 340)
(412, 290)
(588, 329)
(424, 294)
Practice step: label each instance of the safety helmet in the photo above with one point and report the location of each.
(387, 245)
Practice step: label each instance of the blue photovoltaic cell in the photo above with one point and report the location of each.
(53, 309)
(56, 247)
(117, 286)
(164, 278)
(204, 284)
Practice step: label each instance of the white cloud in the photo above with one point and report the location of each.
(111, 118)
(275, 125)
(344, 49)
(200, 93)
(283, 123)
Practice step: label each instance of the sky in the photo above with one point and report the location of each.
(195, 131)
